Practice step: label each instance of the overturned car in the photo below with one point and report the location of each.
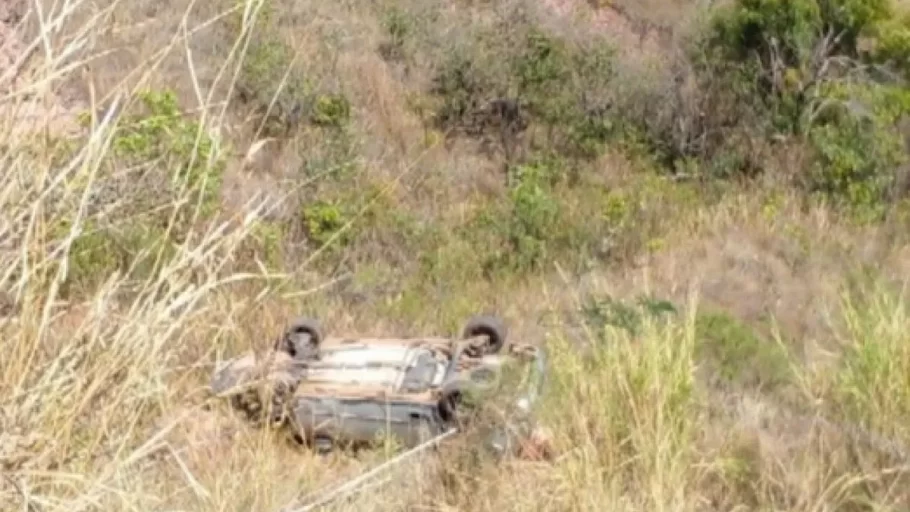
(354, 391)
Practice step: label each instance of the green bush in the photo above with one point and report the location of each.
(567, 90)
(135, 250)
(462, 84)
(163, 175)
(601, 312)
(359, 223)
(399, 26)
(811, 60)
(890, 45)
(273, 83)
(737, 354)
(527, 226)
(325, 220)
(858, 146)
(546, 81)
(266, 245)
(535, 213)
(789, 27)
(331, 110)
(270, 83)
(792, 39)
(171, 143)
(542, 70)
(854, 19)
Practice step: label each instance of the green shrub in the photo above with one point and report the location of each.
(266, 245)
(738, 354)
(789, 36)
(331, 110)
(270, 83)
(810, 59)
(535, 213)
(601, 312)
(359, 222)
(542, 70)
(788, 28)
(558, 86)
(163, 137)
(163, 175)
(772, 44)
(463, 85)
(135, 250)
(528, 224)
(398, 26)
(858, 146)
(890, 45)
(854, 19)
(273, 83)
(324, 220)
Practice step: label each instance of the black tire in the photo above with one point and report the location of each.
(490, 326)
(447, 406)
(302, 338)
(309, 326)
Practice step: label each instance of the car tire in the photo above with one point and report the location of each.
(302, 338)
(447, 407)
(490, 326)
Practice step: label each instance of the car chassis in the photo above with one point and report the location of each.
(353, 391)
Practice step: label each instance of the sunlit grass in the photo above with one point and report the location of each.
(103, 401)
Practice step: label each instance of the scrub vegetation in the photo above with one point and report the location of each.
(699, 209)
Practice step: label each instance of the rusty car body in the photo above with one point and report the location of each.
(356, 390)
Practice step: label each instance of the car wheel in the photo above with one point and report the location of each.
(448, 406)
(303, 338)
(489, 326)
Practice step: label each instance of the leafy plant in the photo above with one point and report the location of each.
(331, 110)
(737, 353)
(812, 59)
(323, 220)
(600, 312)
(858, 146)
(558, 85)
(134, 221)
(162, 136)
(135, 250)
(272, 83)
(529, 223)
(398, 26)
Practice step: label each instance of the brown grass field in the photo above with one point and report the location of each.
(782, 382)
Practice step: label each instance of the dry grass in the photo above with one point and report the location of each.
(102, 388)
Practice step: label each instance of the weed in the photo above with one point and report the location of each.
(177, 144)
(398, 26)
(601, 312)
(543, 79)
(273, 83)
(871, 384)
(136, 222)
(858, 147)
(331, 110)
(738, 354)
(324, 220)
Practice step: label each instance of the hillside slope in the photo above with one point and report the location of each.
(706, 230)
